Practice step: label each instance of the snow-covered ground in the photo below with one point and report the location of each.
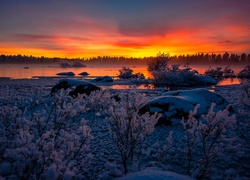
(29, 144)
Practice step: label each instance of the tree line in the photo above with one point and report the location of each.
(199, 58)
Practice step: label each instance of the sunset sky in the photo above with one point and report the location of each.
(87, 28)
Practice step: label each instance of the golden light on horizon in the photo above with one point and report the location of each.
(78, 29)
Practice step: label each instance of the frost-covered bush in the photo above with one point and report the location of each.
(218, 72)
(157, 153)
(128, 128)
(208, 139)
(245, 73)
(245, 98)
(127, 73)
(99, 101)
(243, 127)
(159, 63)
(175, 76)
(47, 139)
(214, 73)
(228, 72)
(191, 126)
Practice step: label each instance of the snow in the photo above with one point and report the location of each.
(174, 76)
(172, 103)
(103, 79)
(206, 80)
(66, 74)
(83, 74)
(24, 111)
(154, 173)
(73, 82)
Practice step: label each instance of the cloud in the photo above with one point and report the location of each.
(34, 37)
(126, 26)
(42, 37)
(131, 44)
(226, 41)
(141, 27)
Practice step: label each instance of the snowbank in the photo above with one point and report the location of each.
(154, 173)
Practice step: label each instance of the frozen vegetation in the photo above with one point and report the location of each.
(173, 75)
(245, 73)
(104, 134)
(218, 72)
(127, 73)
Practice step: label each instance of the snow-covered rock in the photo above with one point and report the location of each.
(178, 104)
(154, 173)
(83, 74)
(79, 86)
(103, 79)
(65, 74)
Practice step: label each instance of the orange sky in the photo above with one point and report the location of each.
(123, 28)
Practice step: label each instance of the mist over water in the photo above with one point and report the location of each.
(19, 71)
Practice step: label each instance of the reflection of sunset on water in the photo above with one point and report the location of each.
(29, 71)
(229, 81)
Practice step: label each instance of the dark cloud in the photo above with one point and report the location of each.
(34, 37)
(141, 28)
(226, 41)
(42, 37)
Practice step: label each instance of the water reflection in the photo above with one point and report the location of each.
(19, 71)
(229, 81)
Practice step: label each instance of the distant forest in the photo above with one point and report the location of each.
(199, 58)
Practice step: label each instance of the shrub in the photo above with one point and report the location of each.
(207, 135)
(128, 128)
(245, 73)
(174, 76)
(127, 73)
(228, 72)
(43, 139)
(159, 63)
(214, 73)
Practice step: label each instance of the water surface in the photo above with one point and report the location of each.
(20, 71)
